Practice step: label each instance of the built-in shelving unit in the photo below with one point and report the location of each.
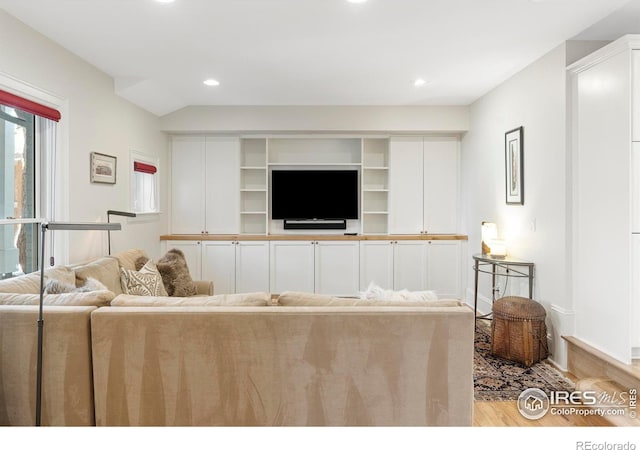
(261, 155)
(253, 186)
(375, 185)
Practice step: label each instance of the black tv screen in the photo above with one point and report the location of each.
(314, 194)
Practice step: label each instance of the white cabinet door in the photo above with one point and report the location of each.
(376, 264)
(292, 266)
(405, 185)
(410, 265)
(444, 274)
(440, 185)
(337, 268)
(192, 255)
(635, 89)
(635, 187)
(219, 265)
(635, 295)
(187, 185)
(252, 266)
(222, 185)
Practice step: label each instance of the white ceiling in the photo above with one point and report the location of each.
(315, 52)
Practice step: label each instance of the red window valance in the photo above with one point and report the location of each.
(8, 99)
(144, 168)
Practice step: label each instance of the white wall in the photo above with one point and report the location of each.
(94, 119)
(535, 98)
(359, 119)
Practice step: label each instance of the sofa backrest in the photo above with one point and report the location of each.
(67, 393)
(289, 366)
(293, 298)
(248, 299)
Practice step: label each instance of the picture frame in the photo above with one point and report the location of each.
(103, 168)
(514, 166)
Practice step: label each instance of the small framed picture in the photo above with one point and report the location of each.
(103, 168)
(514, 166)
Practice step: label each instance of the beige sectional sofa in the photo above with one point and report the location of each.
(235, 360)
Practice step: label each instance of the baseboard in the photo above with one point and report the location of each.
(484, 303)
(585, 361)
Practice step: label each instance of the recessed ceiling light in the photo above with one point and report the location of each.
(419, 82)
(211, 82)
(165, 1)
(356, 1)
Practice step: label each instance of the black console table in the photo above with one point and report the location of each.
(514, 268)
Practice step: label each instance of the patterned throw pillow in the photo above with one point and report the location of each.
(146, 281)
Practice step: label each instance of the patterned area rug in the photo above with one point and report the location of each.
(497, 379)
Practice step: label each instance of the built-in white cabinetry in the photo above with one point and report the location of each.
(187, 185)
(606, 110)
(414, 265)
(376, 264)
(292, 266)
(331, 267)
(205, 185)
(324, 267)
(423, 185)
(220, 184)
(233, 266)
(236, 266)
(444, 269)
(337, 265)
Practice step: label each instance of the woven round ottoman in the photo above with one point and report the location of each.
(518, 330)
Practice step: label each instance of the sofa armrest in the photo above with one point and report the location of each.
(204, 287)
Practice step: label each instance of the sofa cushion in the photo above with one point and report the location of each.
(146, 281)
(105, 269)
(95, 298)
(30, 283)
(24, 284)
(249, 299)
(291, 298)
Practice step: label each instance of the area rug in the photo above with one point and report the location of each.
(497, 379)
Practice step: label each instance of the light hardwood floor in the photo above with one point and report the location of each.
(506, 414)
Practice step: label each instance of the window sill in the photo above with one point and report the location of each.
(144, 217)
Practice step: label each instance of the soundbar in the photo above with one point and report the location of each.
(315, 224)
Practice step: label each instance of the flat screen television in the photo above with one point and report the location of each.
(314, 194)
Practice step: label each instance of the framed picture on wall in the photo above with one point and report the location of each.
(103, 168)
(514, 166)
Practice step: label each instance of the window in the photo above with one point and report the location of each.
(18, 249)
(27, 145)
(144, 183)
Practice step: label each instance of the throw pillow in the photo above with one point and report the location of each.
(175, 274)
(146, 281)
